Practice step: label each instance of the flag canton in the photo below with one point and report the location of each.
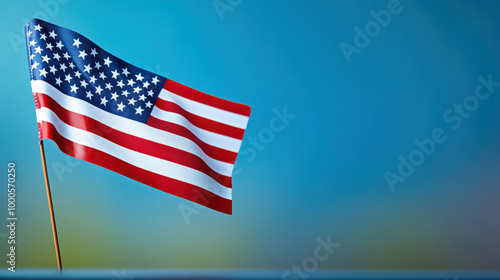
(79, 68)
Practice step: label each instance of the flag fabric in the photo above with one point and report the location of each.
(100, 109)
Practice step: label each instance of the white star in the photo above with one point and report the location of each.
(63, 67)
(32, 56)
(120, 106)
(35, 65)
(125, 72)
(45, 58)
(68, 78)
(57, 56)
(38, 50)
(43, 37)
(38, 27)
(104, 101)
(71, 65)
(108, 86)
(87, 68)
(139, 77)
(131, 82)
(59, 45)
(115, 74)
(114, 96)
(32, 43)
(139, 110)
(74, 88)
(146, 84)
(77, 42)
(97, 65)
(120, 84)
(29, 33)
(107, 61)
(102, 76)
(78, 74)
(93, 52)
(137, 89)
(43, 72)
(82, 54)
(49, 46)
(98, 89)
(126, 93)
(84, 83)
(149, 104)
(58, 81)
(155, 80)
(131, 101)
(66, 55)
(89, 94)
(93, 79)
(151, 93)
(53, 34)
(142, 97)
(53, 70)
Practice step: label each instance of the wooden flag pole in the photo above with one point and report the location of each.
(52, 217)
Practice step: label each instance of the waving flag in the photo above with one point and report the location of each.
(100, 109)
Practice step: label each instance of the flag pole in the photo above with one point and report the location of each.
(49, 198)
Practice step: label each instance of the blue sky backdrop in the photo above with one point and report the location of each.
(374, 124)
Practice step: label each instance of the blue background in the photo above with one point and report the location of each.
(321, 175)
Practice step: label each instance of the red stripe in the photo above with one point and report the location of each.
(169, 185)
(211, 151)
(207, 99)
(132, 142)
(201, 122)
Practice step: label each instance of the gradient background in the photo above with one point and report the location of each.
(323, 175)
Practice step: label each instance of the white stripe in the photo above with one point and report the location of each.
(206, 136)
(130, 126)
(205, 111)
(150, 163)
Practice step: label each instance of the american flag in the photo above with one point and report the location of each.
(100, 109)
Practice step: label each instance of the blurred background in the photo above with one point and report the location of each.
(375, 125)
